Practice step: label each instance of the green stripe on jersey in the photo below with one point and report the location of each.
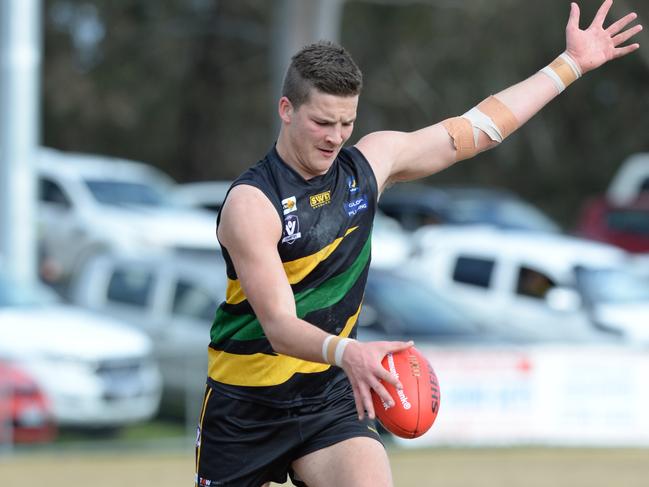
(247, 327)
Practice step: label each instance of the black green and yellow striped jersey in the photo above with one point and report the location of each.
(325, 249)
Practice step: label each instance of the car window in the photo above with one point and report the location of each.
(629, 221)
(399, 306)
(121, 193)
(475, 271)
(213, 207)
(51, 192)
(532, 283)
(131, 287)
(193, 302)
(504, 213)
(612, 285)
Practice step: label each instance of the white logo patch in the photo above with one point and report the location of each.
(289, 205)
(291, 229)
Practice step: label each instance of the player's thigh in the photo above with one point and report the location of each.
(356, 462)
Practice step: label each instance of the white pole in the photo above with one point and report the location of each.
(20, 56)
(297, 23)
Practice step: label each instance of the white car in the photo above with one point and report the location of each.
(390, 243)
(208, 195)
(547, 284)
(630, 180)
(96, 371)
(91, 204)
(173, 301)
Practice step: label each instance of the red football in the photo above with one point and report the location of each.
(416, 405)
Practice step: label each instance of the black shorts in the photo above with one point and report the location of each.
(246, 444)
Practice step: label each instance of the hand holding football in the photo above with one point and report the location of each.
(416, 405)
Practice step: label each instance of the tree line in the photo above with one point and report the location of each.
(186, 86)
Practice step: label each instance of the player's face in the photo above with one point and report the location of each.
(318, 129)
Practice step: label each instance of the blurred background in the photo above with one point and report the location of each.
(522, 274)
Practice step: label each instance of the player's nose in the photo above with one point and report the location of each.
(335, 136)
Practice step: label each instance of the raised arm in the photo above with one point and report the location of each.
(400, 156)
(251, 238)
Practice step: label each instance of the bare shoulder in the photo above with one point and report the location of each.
(248, 216)
(379, 148)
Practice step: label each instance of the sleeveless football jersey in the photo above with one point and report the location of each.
(325, 249)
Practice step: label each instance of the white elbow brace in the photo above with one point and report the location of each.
(491, 116)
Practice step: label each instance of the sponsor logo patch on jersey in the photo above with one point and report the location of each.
(291, 229)
(351, 184)
(289, 205)
(320, 199)
(356, 205)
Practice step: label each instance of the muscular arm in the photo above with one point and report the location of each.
(400, 156)
(250, 229)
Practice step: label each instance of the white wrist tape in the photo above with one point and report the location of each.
(340, 349)
(563, 71)
(325, 348)
(333, 348)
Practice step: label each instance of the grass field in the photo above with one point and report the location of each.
(524, 467)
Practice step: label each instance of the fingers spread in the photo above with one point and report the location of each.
(383, 394)
(398, 346)
(601, 14)
(623, 51)
(621, 24)
(573, 20)
(626, 35)
(358, 401)
(366, 397)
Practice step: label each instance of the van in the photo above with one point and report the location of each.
(555, 286)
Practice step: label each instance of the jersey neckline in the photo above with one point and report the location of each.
(315, 180)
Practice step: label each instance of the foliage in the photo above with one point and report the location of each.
(186, 86)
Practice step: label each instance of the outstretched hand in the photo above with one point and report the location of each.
(597, 45)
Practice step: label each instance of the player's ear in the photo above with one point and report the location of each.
(285, 109)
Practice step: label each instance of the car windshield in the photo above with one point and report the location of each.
(612, 285)
(502, 213)
(413, 308)
(125, 193)
(14, 294)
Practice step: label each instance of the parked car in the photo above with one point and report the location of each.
(630, 181)
(401, 308)
(173, 301)
(90, 204)
(624, 225)
(25, 412)
(546, 284)
(97, 372)
(416, 204)
(390, 243)
(208, 195)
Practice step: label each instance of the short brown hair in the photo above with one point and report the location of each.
(325, 66)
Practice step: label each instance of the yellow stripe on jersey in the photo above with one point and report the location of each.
(296, 270)
(260, 369)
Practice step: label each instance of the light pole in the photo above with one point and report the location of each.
(20, 57)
